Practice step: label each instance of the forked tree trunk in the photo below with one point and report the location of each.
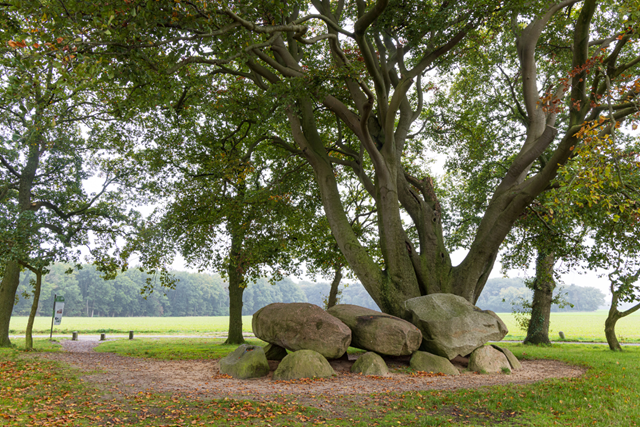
(8, 288)
(34, 310)
(543, 286)
(333, 292)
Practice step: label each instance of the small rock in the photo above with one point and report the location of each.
(370, 363)
(247, 361)
(427, 362)
(303, 364)
(488, 360)
(513, 360)
(275, 352)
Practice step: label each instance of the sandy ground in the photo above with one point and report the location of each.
(202, 378)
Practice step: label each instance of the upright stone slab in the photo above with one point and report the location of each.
(302, 326)
(247, 361)
(513, 360)
(452, 326)
(303, 364)
(379, 332)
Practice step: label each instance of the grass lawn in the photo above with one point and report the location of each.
(122, 325)
(576, 326)
(36, 392)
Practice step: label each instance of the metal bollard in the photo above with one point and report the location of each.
(103, 337)
(130, 335)
(561, 335)
(74, 336)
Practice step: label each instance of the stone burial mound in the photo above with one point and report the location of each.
(303, 336)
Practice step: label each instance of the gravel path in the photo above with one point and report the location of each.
(202, 377)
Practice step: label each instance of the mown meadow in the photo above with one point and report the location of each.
(37, 392)
(588, 326)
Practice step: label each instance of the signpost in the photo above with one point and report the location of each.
(58, 308)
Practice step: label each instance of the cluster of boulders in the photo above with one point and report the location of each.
(443, 327)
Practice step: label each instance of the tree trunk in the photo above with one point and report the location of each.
(610, 328)
(8, 288)
(333, 292)
(543, 286)
(236, 288)
(34, 310)
(11, 279)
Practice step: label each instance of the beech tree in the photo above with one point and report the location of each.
(489, 108)
(366, 64)
(46, 91)
(227, 202)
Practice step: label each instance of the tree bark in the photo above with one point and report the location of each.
(333, 292)
(543, 286)
(8, 288)
(610, 328)
(612, 319)
(236, 288)
(11, 279)
(34, 310)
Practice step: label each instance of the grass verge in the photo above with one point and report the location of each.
(35, 392)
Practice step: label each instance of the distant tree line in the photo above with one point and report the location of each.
(499, 295)
(87, 294)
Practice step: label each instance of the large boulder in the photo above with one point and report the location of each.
(302, 326)
(487, 359)
(427, 362)
(452, 326)
(303, 364)
(370, 363)
(247, 361)
(379, 332)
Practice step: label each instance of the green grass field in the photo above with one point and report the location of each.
(576, 326)
(38, 392)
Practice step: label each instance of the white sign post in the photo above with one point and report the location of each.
(58, 309)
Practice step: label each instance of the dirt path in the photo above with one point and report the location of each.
(202, 378)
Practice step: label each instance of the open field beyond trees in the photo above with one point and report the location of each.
(576, 326)
(38, 392)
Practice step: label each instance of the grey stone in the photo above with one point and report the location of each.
(302, 326)
(303, 364)
(488, 360)
(275, 352)
(379, 332)
(513, 360)
(427, 362)
(247, 361)
(370, 363)
(452, 326)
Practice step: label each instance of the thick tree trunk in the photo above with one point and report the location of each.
(34, 310)
(236, 288)
(543, 286)
(8, 288)
(333, 292)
